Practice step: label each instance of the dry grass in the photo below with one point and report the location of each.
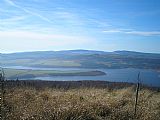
(81, 104)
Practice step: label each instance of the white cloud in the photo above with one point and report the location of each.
(13, 41)
(129, 31)
(112, 31)
(12, 20)
(144, 33)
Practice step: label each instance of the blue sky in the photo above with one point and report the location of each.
(109, 25)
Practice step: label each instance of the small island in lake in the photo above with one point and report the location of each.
(29, 73)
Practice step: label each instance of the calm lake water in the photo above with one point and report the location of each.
(148, 77)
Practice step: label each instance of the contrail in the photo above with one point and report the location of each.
(28, 11)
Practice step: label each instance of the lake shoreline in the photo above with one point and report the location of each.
(147, 76)
(41, 84)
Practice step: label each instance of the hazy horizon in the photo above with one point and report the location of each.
(75, 50)
(103, 25)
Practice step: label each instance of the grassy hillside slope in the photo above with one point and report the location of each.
(85, 103)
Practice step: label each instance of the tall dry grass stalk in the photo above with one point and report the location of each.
(2, 98)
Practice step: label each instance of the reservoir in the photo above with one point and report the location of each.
(147, 76)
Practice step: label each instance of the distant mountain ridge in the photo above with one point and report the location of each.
(81, 51)
(82, 59)
(49, 54)
(133, 52)
(61, 51)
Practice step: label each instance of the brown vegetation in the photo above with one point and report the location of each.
(83, 103)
